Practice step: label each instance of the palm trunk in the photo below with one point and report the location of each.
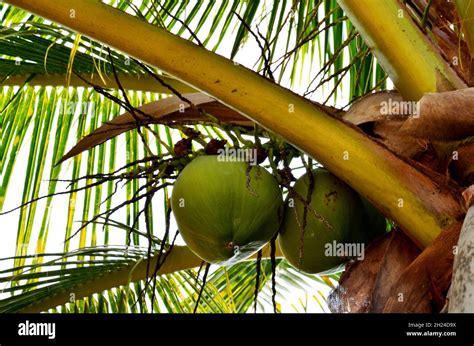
(461, 297)
(412, 62)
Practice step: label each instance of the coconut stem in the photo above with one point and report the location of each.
(206, 271)
(257, 279)
(273, 261)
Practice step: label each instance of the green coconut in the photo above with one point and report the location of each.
(336, 215)
(370, 225)
(226, 211)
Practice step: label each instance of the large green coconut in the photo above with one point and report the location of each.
(335, 215)
(226, 211)
(371, 223)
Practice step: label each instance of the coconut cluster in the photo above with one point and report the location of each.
(226, 211)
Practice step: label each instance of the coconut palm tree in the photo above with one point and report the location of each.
(88, 126)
